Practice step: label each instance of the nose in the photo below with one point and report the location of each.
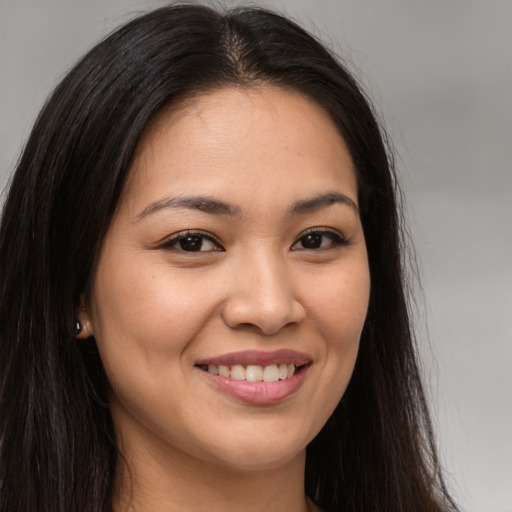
(261, 296)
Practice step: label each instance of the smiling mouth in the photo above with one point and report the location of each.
(253, 372)
(257, 377)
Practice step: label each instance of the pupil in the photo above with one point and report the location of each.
(191, 243)
(312, 241)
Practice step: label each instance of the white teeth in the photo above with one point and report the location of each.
(254, 372)
(238, 372)
(223, 371)
(271, 373)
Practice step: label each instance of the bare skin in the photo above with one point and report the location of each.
(250, 492)
(236, 247)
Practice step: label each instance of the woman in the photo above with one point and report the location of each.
(202, 298)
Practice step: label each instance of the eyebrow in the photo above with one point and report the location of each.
(202, 203)
(216, 207)
(323, 201)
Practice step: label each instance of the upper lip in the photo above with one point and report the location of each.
(258, 357)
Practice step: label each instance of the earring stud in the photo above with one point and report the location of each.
(78, 327)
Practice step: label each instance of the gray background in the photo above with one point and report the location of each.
(441, 73)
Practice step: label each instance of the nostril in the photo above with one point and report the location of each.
(264, 313)
(249, 327)
(264, 328)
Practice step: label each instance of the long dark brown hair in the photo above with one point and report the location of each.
(58, 449)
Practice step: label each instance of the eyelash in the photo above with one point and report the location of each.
(171, 243)
(337, 240)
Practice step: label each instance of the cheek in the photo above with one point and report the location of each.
(340, 303)
(340, 311)
(147, 306)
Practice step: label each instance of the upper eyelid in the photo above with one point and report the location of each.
(322, 230)
(338, 237)
(169, 240)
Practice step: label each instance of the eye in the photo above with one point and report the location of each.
(318, 240)
(191, 242)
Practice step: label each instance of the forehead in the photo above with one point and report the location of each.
(246, 141)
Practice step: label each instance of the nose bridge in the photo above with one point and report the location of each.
(262, 292)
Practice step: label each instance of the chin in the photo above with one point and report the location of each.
(261, 460)
(261, 452)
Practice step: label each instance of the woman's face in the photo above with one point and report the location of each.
(232, 286)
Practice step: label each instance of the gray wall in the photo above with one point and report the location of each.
(441, 72)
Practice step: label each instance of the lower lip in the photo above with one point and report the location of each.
(262, 393)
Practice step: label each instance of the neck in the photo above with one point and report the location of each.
(164, 482)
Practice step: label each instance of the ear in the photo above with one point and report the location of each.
(83, 317)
